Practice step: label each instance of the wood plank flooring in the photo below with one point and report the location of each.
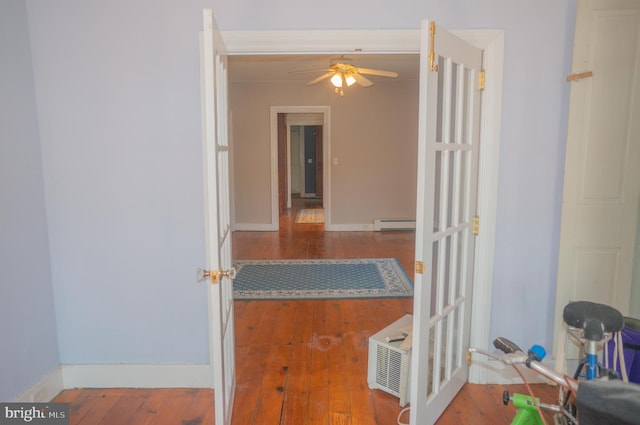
(299, 362)
(474, 405)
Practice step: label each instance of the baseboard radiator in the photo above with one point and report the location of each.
(382, 224)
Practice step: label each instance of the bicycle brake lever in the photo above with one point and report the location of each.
(505, 345)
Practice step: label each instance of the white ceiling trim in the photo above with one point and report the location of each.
(322, 42)
(332, 42)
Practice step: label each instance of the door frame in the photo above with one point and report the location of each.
(325, 111)
(301, 121)
(408, 42)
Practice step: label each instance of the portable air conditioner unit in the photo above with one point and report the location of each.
(389, 361)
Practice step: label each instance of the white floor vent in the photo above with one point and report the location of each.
(381, 224)
(390, 361)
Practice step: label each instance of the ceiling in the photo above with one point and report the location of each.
(277, 67)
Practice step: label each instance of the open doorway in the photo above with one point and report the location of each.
(300, 156)
(300, 138)
(323, 336)
(493, 43)
(305, 143)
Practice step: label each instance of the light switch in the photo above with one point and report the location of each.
(335, 160)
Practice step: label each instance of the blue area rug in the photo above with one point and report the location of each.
(320, 279)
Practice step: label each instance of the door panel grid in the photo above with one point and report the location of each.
(455, 154)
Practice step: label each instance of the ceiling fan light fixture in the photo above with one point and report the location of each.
(336, 80)
(342, 72)
(349, 79)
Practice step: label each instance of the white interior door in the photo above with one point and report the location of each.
(602, 167)
(217, 217)
(448, 151)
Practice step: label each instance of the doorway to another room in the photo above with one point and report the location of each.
(284, 340)
(305, 143)
(329, 319)
(305, 173)
(301, 139)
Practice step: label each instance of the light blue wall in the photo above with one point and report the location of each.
(118, 89)
(117, 86)
(29, 346)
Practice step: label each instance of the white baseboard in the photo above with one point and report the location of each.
(251, 227)
(44, 390)
(382, 224)
(499, 373)
(117, 376)
(137, 376)
(349, 228)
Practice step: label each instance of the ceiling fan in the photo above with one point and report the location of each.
(342, 71)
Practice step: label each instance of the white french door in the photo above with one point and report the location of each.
(217, 217)
(448, 152)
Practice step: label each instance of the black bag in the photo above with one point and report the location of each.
(602, 402)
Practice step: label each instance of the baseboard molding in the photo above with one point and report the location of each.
(251, 227)
(137, 376)
(117, 376)
(44, 390)
(193, 376)
(499, 373)
(349, 228)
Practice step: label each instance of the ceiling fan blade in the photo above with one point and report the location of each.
(321, 78)
(362, 81)
(378, 72)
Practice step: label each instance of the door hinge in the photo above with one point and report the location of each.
(481, 80)
(419, 267)
(468, 358)
(432, 40)
(476, 225)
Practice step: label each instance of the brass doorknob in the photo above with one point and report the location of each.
(231, 273)
(215, 275)
(202, 274)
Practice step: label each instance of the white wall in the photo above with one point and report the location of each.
(27, 318)
(373, 136)
(117, 92)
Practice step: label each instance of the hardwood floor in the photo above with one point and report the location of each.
(298, 362)
(474, 405)
(309, 358)
(311, 241)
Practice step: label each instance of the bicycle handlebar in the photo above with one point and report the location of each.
(514, 356)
